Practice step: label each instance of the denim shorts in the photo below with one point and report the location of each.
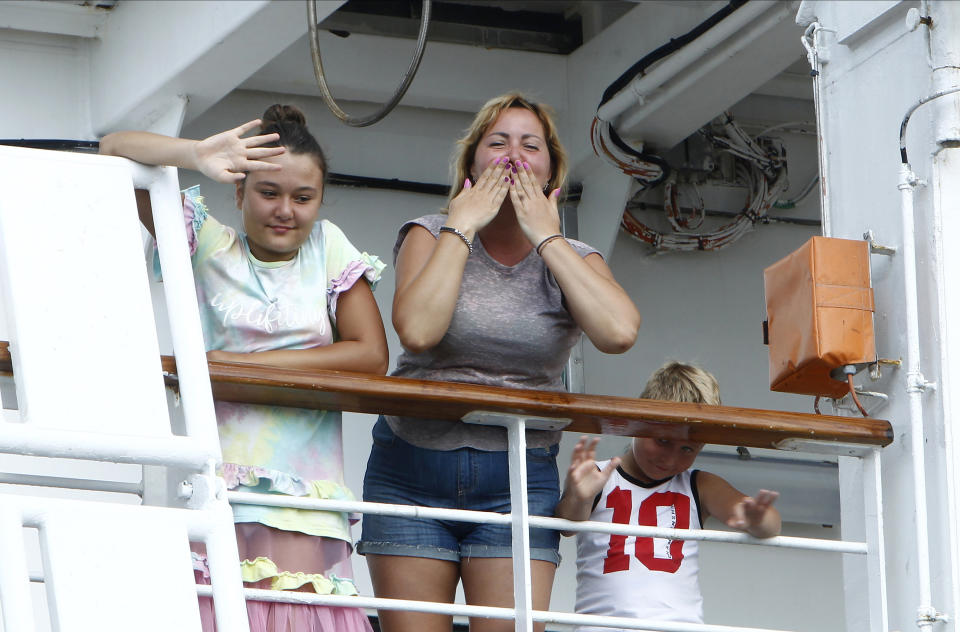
(401, 473)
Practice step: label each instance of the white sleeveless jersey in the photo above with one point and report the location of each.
(642, 578)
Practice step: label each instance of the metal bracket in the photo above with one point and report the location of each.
(928, 615)
(875, 367)
(878, 249)
(916, 383)
(816, 446)
(489, 418)
(845, 402)
(200, 490)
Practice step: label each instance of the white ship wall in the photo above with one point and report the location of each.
(876, 70)
(705, 307)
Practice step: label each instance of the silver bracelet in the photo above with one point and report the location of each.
(452, 230)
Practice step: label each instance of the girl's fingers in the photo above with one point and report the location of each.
(262, 139)
(246, 127)
(256, 153)
(256, 165)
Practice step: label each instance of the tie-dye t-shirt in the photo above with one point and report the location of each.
(248, 305)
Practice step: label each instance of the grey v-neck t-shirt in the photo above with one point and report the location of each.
(510, 328)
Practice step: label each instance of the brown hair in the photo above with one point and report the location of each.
(290, 122)
(467, 146)
(678, 382)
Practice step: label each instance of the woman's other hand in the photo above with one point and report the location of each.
(227, 156)
(477, 204)
(537, 212)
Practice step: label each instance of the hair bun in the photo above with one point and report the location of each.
(277, 114)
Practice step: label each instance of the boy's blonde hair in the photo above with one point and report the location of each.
(466, 146)
(678, 382)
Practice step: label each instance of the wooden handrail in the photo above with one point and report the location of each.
(592, 414)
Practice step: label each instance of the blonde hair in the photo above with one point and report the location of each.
(678, 382)
(467, 146)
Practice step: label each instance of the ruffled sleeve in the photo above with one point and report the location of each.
(346, 265)
(204, 234)
(195, 213)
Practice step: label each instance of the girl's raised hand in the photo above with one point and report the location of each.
(537, 212)
(477, 204)
(227, 156)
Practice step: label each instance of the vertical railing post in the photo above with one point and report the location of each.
(873, 527)
(516, 426)
(520, 524)
(17, 609)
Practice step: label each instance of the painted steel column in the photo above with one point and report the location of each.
(944, 38)
(945, 191)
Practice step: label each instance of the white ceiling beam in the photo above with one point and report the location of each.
(55, 18)
(596, 64)
(451, 76)
(194, 50)
(751, 56)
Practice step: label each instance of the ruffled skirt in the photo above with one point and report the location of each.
(288, 560)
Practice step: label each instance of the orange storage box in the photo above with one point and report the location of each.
(819, 316)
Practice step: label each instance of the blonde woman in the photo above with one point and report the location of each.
(488, 293)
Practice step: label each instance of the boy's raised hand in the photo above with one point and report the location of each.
(584, 480)
(753, 515)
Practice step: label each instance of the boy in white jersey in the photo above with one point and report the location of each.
(652, 485)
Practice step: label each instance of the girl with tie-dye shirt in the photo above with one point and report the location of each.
(291, 292)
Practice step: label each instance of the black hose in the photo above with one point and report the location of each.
(675, 44)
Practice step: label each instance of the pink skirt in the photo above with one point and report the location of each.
(296, 561)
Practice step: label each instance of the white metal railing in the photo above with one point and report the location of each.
(523, 613)
(557, 524)
(871, 548)
(109, 342)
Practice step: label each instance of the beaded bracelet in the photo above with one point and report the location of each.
(547, 241)
(454, 231)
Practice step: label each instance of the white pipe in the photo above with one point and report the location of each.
(87, 484)
(462, 515)
(638, 88)
(650, 96)
(915, 385)
(809, 41)
(488, 612)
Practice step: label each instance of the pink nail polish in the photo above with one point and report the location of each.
(526, 165)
